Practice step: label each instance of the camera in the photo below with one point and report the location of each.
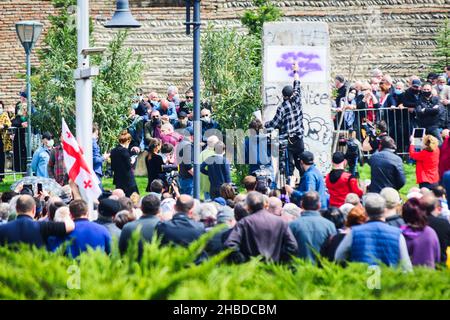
(263, 175)
(170, 172)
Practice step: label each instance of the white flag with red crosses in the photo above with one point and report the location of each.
(79, 171)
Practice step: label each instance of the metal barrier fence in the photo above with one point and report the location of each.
(13, 157)
(400, 123)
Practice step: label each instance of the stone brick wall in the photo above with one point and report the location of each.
(397, 35)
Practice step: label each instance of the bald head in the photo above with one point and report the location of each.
(275, 206)
(164, 104)
(26, 205)
(185, 204)
(211, 141)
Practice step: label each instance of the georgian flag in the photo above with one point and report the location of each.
(79, 171)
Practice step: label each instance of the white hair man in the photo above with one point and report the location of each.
(204, 180)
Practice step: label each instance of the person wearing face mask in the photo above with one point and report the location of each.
(183, 122)
(121, 165)
(5, 123)
(401, 132)
(444, 93)
(411, 98)
(346, 106)
(207, 123)
(172, 96)
(429, 111)
(153, 100)
(152, 128)
(41, 156)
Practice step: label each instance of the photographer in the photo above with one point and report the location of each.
(289, 120)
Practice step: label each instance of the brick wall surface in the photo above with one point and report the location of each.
(397, 35)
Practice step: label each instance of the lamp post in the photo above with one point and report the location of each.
(28, 33)
(122, 18)
(196, 84)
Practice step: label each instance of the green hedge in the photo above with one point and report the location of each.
(169, 273)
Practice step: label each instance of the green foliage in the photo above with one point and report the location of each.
(232, 81)
(54, 84)
(442, 51)
(265, 12)
(170, 273)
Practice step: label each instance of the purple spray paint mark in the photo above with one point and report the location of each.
(305, 63)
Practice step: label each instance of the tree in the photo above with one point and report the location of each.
(54, 82)
(442, 52)
(231, 70)
(254, 19)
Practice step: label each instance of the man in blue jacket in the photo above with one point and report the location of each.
(26, 230)
(375, 241)
(217, 168)
(312, 180)
(86, 233)
(386, 167)
(42, 155)
(182, 229)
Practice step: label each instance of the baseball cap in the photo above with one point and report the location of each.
(287, 91)
(220, 201)
(307, 157)
(338, 157)
(416, 83)
(182, 114)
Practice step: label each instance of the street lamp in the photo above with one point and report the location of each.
(28, 33)
(196, 86)
(122, 18)
(83, 75)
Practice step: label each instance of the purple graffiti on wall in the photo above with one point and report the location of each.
(305, 62)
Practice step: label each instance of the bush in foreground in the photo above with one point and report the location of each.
(170, 273)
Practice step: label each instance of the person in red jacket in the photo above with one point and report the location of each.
(427, 162)
(341, 183)
(444, 159)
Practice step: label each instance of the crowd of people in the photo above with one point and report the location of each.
(337, 216)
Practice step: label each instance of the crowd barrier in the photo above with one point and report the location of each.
(400, 123)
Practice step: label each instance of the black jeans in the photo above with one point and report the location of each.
(2, 159)
(290, 156)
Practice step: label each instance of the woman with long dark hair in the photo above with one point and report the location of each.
(154, 162)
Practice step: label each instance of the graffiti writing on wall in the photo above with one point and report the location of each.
(306, 63)
(317, 129)
(311, 62)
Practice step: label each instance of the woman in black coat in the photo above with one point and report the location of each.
(154, 162)
(121, 165)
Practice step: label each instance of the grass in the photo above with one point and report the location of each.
(410, 172)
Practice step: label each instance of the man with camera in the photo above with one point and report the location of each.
(289, 120)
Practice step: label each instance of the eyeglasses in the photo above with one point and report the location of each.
(189, 97)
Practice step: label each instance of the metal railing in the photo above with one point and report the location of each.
(400, 123)
(14, 151)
